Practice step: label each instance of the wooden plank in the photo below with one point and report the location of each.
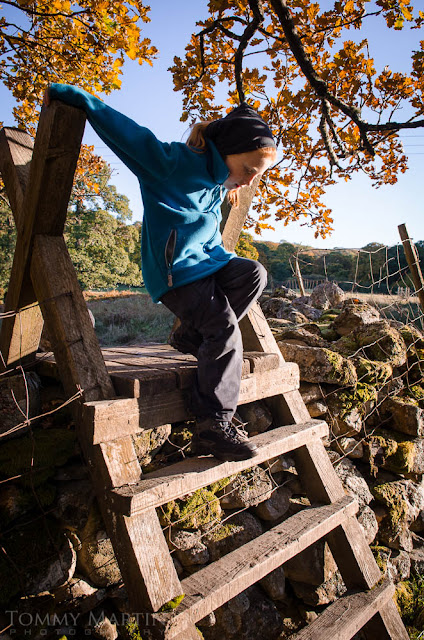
(347, 616)
(348, 545)
(134, 382)
(65, 312)
(413, 260)
(262, 361)
(184, 477)
(139, 544)
(149, 411)
(16, 147)
(233, 218)
(257, 336)
(217, 583)
(386, 624)
(44, 209)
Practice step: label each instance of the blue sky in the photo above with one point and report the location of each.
(361, 213)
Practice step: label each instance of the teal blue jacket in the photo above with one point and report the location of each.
(182, 192)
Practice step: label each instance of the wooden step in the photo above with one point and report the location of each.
(159, 404)
(217, 583)
(348, 615)
(184, 477)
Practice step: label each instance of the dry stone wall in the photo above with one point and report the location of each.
(359, 371)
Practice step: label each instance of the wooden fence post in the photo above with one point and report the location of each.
(413, 263)
(299, 276)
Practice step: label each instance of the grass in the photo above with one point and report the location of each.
(127, 317)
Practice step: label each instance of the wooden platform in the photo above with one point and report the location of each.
(154, 382)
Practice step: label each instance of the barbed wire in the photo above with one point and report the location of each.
(382, 269)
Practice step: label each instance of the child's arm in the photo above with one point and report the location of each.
(136, 146)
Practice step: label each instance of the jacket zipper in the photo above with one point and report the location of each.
(169, 254)
(214, 231)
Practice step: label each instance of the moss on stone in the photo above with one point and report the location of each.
(219, 485)
(417, 392)
(343, 372)
(397, 453)
(373, 372)
(405, 599)
(379, 558)
(224, 531)
(359, 398)
(131, 630)
(172, 604)
(402, 460)
(192, 512)
(390, 496)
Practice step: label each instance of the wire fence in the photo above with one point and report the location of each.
(387, 366)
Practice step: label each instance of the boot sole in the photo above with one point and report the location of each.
(226, 456)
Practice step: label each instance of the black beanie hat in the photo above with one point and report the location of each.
(241, 130)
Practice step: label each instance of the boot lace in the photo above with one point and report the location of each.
(234, 432)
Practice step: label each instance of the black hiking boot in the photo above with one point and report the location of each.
(223, 440)
(185, 342)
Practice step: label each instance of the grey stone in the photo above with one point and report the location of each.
(74, 589)
(405, 502)
(368, 521)
(256, 415)
(302, 336)
(354, 313)
(326, 295)
(407, 416)
(73, 504)
(396, 564)
(350, 447)
(274, 584)
(325, 593)
(103, 628)
(311, 392)
(303, 305)
(317, 409)
(241, 528)
(58, 572)
(417, 561)
(249, 616)
(352, 480)
(247, 489)
(285, 292)
(313, 566)
(275, 506)
(317, 364)
(149, 442)
(207, 621)
(96, 559)
(189, 548)
(377, 341)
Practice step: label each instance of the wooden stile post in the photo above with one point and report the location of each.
(413, 263)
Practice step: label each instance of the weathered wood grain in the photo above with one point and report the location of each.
(386, 624)
(16, 147)
(351, 552)
(257, 335)
(184, 477)
(138, 542)
(74, 343)
(43, 209)
(212, 586)
(172, 405)
(348, 615)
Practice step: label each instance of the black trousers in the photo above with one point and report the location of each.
(209, 310)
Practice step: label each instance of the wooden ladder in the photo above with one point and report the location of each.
(38, 182)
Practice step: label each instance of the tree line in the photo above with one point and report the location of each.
(375, 267)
